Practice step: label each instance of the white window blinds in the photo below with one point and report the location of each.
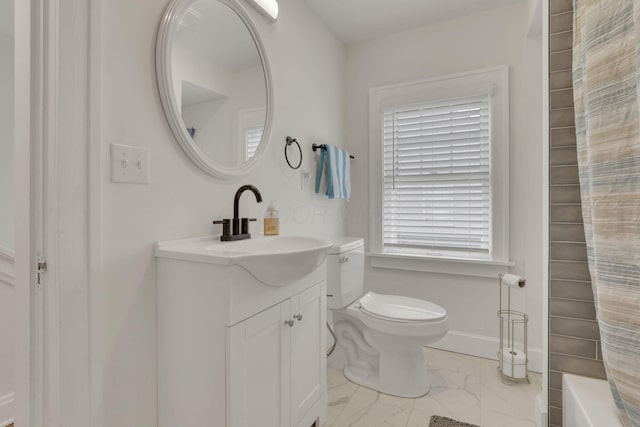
(253, 136)
(437, 177)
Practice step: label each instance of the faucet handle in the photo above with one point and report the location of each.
(226, 223)
(245, 224)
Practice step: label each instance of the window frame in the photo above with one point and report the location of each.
(493, 81)
(247, 118)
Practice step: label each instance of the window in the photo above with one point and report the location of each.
(252, 137)
(437, 184)
(249, 130)
(439, 174)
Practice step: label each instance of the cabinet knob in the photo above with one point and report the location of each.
(298, 317)
(289, 323)
(343, 260)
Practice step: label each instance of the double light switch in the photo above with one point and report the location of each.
(129, 164)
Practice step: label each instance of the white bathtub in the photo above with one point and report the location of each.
(587, 402)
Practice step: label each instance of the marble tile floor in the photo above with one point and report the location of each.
(463, 387)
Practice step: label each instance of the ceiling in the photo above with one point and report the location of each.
(193, 94)
(354, 21)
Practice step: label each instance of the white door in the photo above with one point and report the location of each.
(58, 339)
(258, 387)
(308, 366)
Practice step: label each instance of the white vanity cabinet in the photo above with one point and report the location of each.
(235, 352)
(276, 372)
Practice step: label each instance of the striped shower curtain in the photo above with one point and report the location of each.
(606, 71)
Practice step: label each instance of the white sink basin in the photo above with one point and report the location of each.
(273, 260)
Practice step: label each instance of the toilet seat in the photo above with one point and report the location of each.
(397, 308)
(437, 326)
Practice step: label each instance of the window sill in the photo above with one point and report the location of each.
(456, 266)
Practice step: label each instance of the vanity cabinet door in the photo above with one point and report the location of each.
(259, 371)
(308, 367)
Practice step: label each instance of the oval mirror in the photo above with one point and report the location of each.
(214, 84)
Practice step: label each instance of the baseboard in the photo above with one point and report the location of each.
(541, 412)
(6, 409)
(482, 346)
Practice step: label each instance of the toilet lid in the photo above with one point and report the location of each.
(394, 307)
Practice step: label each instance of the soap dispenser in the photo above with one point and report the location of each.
(271, 221)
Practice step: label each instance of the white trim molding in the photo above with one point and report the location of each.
(95, 306)
(7, 277)
(7, 254)
(541, 412)
(483, 346)
(545, 211)
(6, 409)
(459, 267)
(7, 273)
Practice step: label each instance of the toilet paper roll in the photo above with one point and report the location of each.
(509, 279)
(514, 363)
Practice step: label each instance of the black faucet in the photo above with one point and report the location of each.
(240, 226)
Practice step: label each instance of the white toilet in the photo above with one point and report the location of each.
(379, 337)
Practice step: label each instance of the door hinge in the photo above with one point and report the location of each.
(41, 268)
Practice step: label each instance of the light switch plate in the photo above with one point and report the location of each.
(129, 164)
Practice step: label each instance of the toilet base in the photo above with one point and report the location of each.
(358, 377)
(383, 355)
(389, 364)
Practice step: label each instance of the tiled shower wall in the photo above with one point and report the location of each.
(574, 338)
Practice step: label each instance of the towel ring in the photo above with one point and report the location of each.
(290, 141)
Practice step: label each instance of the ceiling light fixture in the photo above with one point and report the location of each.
(269, 8)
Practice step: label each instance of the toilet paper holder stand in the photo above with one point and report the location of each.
(513, 359)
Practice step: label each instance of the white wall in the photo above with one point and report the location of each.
(201, 71)
(308, 68)
(473, 42)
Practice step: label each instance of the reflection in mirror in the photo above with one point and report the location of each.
(6, 124)
(219, 82)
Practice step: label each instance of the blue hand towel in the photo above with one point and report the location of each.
(338, 172)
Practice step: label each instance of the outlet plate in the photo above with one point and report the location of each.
(129, 164)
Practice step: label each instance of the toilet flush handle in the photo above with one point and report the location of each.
(344, 259)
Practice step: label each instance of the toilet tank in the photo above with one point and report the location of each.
(345, 272)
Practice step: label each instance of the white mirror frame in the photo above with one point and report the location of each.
(164, 43)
